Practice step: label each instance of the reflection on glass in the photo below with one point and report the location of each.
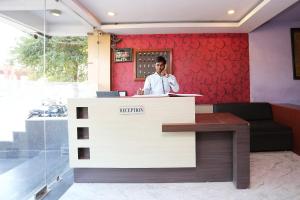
(33, 103)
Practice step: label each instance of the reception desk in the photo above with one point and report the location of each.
(128, 140)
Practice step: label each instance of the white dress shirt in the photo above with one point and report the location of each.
(157, 85)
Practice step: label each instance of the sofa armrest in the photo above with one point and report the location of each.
(289, 115)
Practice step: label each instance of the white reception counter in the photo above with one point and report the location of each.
(127, 132)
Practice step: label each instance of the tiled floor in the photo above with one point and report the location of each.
(274, 176)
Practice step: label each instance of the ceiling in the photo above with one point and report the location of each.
(78, 17)
(290, 14)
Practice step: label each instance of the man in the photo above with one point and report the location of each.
(160, 82)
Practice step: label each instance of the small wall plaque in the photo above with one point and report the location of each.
(123, 55)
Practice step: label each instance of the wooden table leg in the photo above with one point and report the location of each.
(241, 157)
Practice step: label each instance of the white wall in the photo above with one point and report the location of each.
(271, 67)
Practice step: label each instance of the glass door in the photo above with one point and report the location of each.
(64, 76)
(23, 169)
(42, 64)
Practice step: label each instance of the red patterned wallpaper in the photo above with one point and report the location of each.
(215, 65)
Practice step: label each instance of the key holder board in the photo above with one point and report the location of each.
(144, 62)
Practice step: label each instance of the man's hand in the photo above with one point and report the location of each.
(164, 73)
(140, 91)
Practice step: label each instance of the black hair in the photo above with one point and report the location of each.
(161, 59)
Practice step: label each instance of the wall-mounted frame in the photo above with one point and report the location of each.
(295, 36)
(144, 62)
(123, 55)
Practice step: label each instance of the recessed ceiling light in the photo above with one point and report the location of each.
(111, 14)
(230, 12)
(55, 12)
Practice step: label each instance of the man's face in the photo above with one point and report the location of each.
(159, 67)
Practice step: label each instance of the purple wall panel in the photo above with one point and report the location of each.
(271, 68)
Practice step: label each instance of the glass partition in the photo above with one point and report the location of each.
(42, 64)
(65, 77)
(22, 141)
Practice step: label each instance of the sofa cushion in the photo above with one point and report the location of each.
(267, 125)
(271, 141)
(247, 111)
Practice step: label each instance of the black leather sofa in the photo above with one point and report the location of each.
(265, 134)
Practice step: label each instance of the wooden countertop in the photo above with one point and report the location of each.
(207, 122)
